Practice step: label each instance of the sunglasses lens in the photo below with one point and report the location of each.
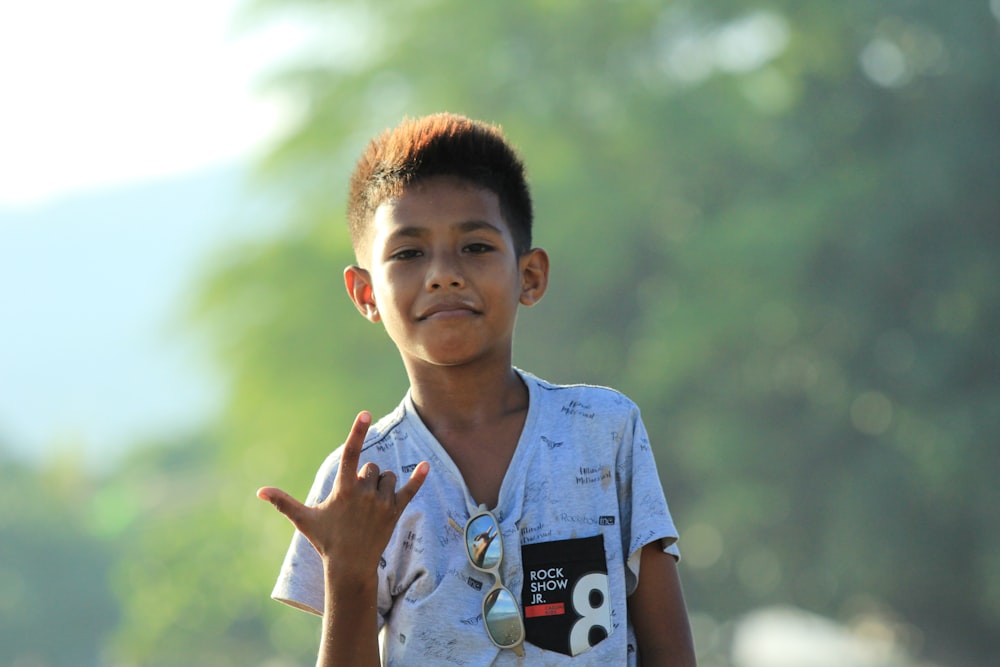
(503, 620)
(482, 539)
(501, 614)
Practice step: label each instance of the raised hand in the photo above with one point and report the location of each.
(353, 525)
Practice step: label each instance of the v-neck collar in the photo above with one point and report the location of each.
(509, 500)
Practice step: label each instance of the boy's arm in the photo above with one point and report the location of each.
(350, 529)
(658, 613)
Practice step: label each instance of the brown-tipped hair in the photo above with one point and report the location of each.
(441, 144)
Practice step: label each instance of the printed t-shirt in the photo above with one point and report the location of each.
(579, 500)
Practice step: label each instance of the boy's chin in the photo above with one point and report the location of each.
(453, 358)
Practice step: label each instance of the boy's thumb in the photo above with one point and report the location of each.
(282, 502)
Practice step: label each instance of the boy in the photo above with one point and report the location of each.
(567, 554)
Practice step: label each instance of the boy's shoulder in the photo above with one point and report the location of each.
(389, 426)
(578, 396)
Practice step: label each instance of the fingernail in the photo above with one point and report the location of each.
(365, 417)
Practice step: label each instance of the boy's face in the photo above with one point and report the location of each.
(440, 271)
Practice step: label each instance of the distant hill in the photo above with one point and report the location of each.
(94, 352)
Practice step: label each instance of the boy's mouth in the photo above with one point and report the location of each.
(447, 309)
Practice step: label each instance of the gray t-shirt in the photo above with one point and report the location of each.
(579, 500)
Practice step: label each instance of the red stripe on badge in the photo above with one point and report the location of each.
(554, 609)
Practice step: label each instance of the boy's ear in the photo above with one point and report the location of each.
(359, 287)
(534, 266)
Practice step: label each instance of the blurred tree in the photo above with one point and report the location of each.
(56, 608)
(188, 568)
(773, 224)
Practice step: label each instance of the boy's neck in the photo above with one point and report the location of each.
(466, 397)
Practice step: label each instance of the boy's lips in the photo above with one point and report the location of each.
(447, 309)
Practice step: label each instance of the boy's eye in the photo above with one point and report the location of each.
(405, 254)
(477, 248)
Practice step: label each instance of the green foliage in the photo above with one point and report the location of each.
(774, 225)
(55, 605)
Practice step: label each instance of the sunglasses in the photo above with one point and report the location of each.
(501, 615)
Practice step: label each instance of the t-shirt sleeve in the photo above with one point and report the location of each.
(645, 515)
(300, 581)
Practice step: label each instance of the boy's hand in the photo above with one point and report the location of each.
(352, 526)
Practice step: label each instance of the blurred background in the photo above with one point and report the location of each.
(774, 224)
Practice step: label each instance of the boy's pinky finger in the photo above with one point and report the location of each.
(412, 485)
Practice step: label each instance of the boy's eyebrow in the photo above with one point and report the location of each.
(415, 231)
(478, 225)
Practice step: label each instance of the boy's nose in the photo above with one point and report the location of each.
(444, 273)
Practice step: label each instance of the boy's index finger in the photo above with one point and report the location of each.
(348, 469)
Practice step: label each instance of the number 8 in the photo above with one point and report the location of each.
(590, 616)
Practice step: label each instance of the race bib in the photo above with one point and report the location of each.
(567, 606)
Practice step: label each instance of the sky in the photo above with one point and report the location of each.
(123, 128)
(102, 92)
